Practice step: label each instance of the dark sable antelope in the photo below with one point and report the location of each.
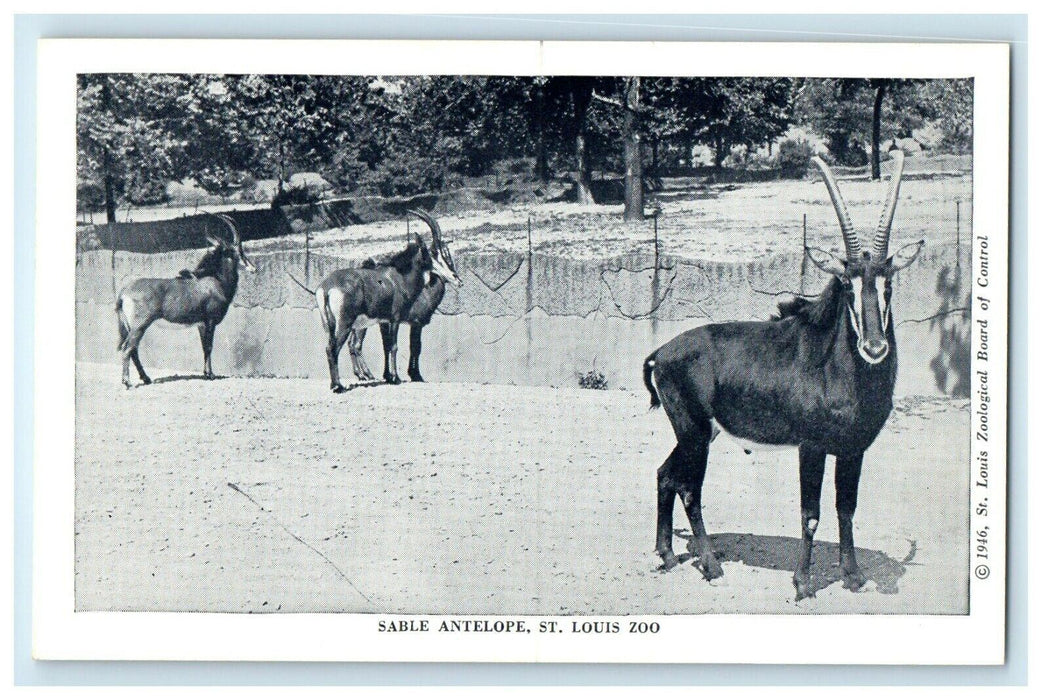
(819, 376)
(352, 299)
(420, 313)
(201, 296)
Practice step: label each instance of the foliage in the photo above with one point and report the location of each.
(954, 117)
(129, 139)
(413, 134)
(794, 156)
(727, 112)
(842, 111)
(593, 380)
(299, 194)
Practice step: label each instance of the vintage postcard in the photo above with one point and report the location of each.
(705, 351)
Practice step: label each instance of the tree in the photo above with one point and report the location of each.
(834, 109)
(130, 136)
(740, 111)
(854, 113)
(220, 149)
(366, 114)
(954, 115)
(291, 119)
(582, 91)
(628, 105)
(633, 201)
(664, 124)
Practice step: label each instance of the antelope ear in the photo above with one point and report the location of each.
(905, 256)
(828, 262)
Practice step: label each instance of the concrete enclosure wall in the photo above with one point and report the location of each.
(537, 320)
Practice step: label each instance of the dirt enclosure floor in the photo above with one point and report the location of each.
(267, 495)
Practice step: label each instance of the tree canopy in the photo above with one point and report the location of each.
(410, 134)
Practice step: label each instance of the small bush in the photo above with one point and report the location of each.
(593, 380)
(301, 194)
(794, 156)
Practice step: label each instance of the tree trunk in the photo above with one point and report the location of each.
(656, 142)
(720, 153)
(879, 96)
(542, 164)
(280, 168)
(111, 200)
(107, 162)
(633, 200)
(582, 93)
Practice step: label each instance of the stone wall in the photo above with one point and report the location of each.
(541, 320)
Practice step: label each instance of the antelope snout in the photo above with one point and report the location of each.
(875, 349)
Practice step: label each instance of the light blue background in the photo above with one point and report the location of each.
(29, 28)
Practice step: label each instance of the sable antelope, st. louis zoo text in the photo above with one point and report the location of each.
(201, 297)
(820, 376)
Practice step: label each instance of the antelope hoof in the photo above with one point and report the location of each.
(127, 384)
(670, 560)
(853, 581)
(803, 587)
(147, 380)
(706, 559)
(338, 389)
(416, 377)
(392, 379)
(709, 566)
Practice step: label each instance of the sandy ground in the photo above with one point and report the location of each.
(717, 222)
(268, 495)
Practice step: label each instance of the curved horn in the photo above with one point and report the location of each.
(232, 227)
(237, 243)
(880, 247)
(435, 228)
(852, 241)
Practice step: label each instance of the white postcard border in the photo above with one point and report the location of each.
(61, 633)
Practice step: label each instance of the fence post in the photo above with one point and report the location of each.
(654, 316)
(528, 300)
(804, 250)
(113, 263)
(307, 271)
(529, 234)
(655, 230)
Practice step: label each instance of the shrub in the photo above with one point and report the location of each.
(794, 156)
(593, 380)
(301, 194)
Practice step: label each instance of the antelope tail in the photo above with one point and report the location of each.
(122, 324)
(650, 365)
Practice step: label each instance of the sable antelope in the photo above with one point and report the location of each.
(420, 313)
(819, 375)
(201, 296)
(355, 298)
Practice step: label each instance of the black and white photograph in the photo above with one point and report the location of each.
(553, 355)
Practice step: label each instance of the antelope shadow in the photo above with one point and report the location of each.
(187, 378)
(950, 367)
(367, 384)
(781, 554)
